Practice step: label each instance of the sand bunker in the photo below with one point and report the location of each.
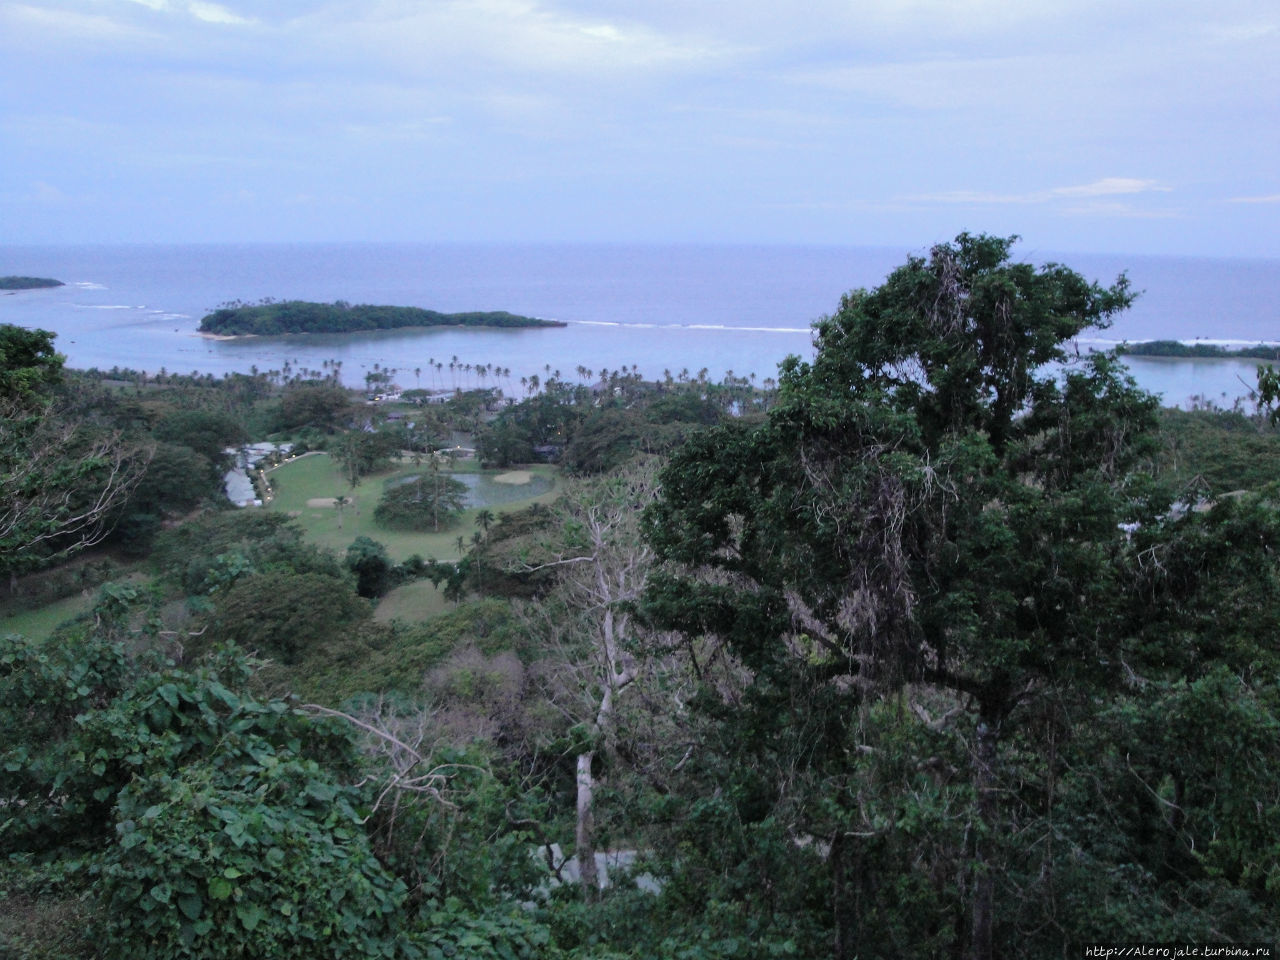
(514, 477)
(328, 502)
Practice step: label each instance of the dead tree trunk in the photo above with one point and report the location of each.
(584, 832)
(617, 677)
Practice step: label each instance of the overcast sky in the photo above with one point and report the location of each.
(1135, 126)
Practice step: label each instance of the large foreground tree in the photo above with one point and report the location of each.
(921, 559)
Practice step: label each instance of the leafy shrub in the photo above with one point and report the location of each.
(368, 560)
(285, 614)
(257, 853)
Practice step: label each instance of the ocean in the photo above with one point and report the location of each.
(653, 308)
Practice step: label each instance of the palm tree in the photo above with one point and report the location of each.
(484, 518)
(340, 502)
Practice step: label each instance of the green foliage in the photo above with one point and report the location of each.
(479, 841)
(929, 516)
(685, 406)
(396, 659)
(504, 442)
(43, 690)
(209, 824)
(361, 452)
(603, 441)
(221, 532)
(1269, 392)
(29, 366)
(1211, 452)
(254, 852)
(208, 432)
(450, 930)
(497, 567)
(209, 552)
(64, 472)
(546, 419)
(300, 316)
(369, 561)
(177, 479)
(596, 430)
(46, 587)
(429, 501)
(283, 615)
(321, 405)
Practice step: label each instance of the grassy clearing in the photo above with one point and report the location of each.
(412, 603)
(39, 623)
(318, 478)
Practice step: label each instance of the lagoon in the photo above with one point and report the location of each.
(656, 308)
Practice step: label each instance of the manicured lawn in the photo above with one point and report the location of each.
(301, 482)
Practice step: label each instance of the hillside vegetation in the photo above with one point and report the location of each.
(946, 644)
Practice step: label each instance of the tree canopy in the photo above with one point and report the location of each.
(933, 513)
(427, 501)
(62, 473)
(29, 365)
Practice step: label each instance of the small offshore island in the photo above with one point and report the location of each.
(276, 317)
(28, 283)
(1178, 349)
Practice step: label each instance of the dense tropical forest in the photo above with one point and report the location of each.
(943, 644)
(275, 317)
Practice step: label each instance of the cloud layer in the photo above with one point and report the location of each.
(1080, 125)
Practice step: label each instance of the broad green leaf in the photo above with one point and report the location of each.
(191, 906)
(250, 915)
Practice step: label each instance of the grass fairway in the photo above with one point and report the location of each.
(317, 478)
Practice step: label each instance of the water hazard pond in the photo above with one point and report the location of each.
(494, 489)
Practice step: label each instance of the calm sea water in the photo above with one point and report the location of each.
(657, 308)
